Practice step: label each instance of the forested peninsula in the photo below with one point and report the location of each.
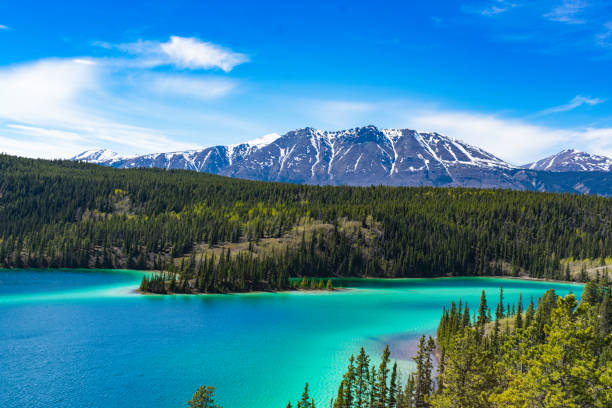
(216, 234)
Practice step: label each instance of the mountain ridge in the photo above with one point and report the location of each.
(359, 156)
(572, 160)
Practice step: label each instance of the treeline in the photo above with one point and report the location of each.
(555, 354)
(202, 282)
(67, 214)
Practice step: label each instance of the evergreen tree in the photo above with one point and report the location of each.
(305, 401)
(392, 402)
(203, 398)
(482, 310)
(382, 387)
(518, 321)
(362, 377)
(529, 314)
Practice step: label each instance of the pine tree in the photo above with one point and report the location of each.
(605, 314)
(393, 388)
(305, 401)
(499, 313)
(423, 386)
(482, 310)
(362, 377)
(373, 388)
(466, 317)
(382, 388)
(529, 314)
(339, 403)
(349, 384)
(518, 321)
(203, 398)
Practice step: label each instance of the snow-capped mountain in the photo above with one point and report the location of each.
(572, 160)
(361, 156)
(100, 156)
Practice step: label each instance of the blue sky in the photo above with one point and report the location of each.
(522, 79)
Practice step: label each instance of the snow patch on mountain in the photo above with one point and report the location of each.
(572, 160)
(359, 156)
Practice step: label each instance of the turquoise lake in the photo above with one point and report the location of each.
(85, 339)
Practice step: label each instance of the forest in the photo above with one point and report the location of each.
(222, 234)
(554, 353)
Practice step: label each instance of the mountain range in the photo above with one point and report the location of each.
(367, 155)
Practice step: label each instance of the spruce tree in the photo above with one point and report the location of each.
(529, 314)
(605, 314)
(482, 310)
(382, 388)
(392, 403)
(362, 377)
(518, 321)
(305, 401)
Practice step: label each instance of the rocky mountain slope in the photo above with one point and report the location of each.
(360, 156)
(572, 160)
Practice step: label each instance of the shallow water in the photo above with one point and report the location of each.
(85, 339)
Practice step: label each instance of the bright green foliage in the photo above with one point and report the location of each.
(560, 358)
(468, 373)
(563, 371)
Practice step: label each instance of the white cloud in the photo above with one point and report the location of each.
(598, 140)
(576, 102)
(44, 133)
(42, 90)
(182, 52)
(56, 108)
(514, 140)
(568, 12)
(193, 53)
(3, 27)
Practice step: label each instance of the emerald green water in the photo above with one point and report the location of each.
(85, 339)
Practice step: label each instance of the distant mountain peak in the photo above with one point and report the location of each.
(360, 156)
(97, 156)
(572, 160)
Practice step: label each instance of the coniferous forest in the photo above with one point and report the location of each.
(68, 214)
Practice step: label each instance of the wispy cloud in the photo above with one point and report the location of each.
(568, 12)
(493, 7)
(499, 7)
(514, 140)
(192, 87)
(576, 102)
(604, 39)
(53, 134)
(3, 27)
(62, 103)
(517, 140)
(182, 52)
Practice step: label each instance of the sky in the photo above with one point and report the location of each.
(521, 79)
